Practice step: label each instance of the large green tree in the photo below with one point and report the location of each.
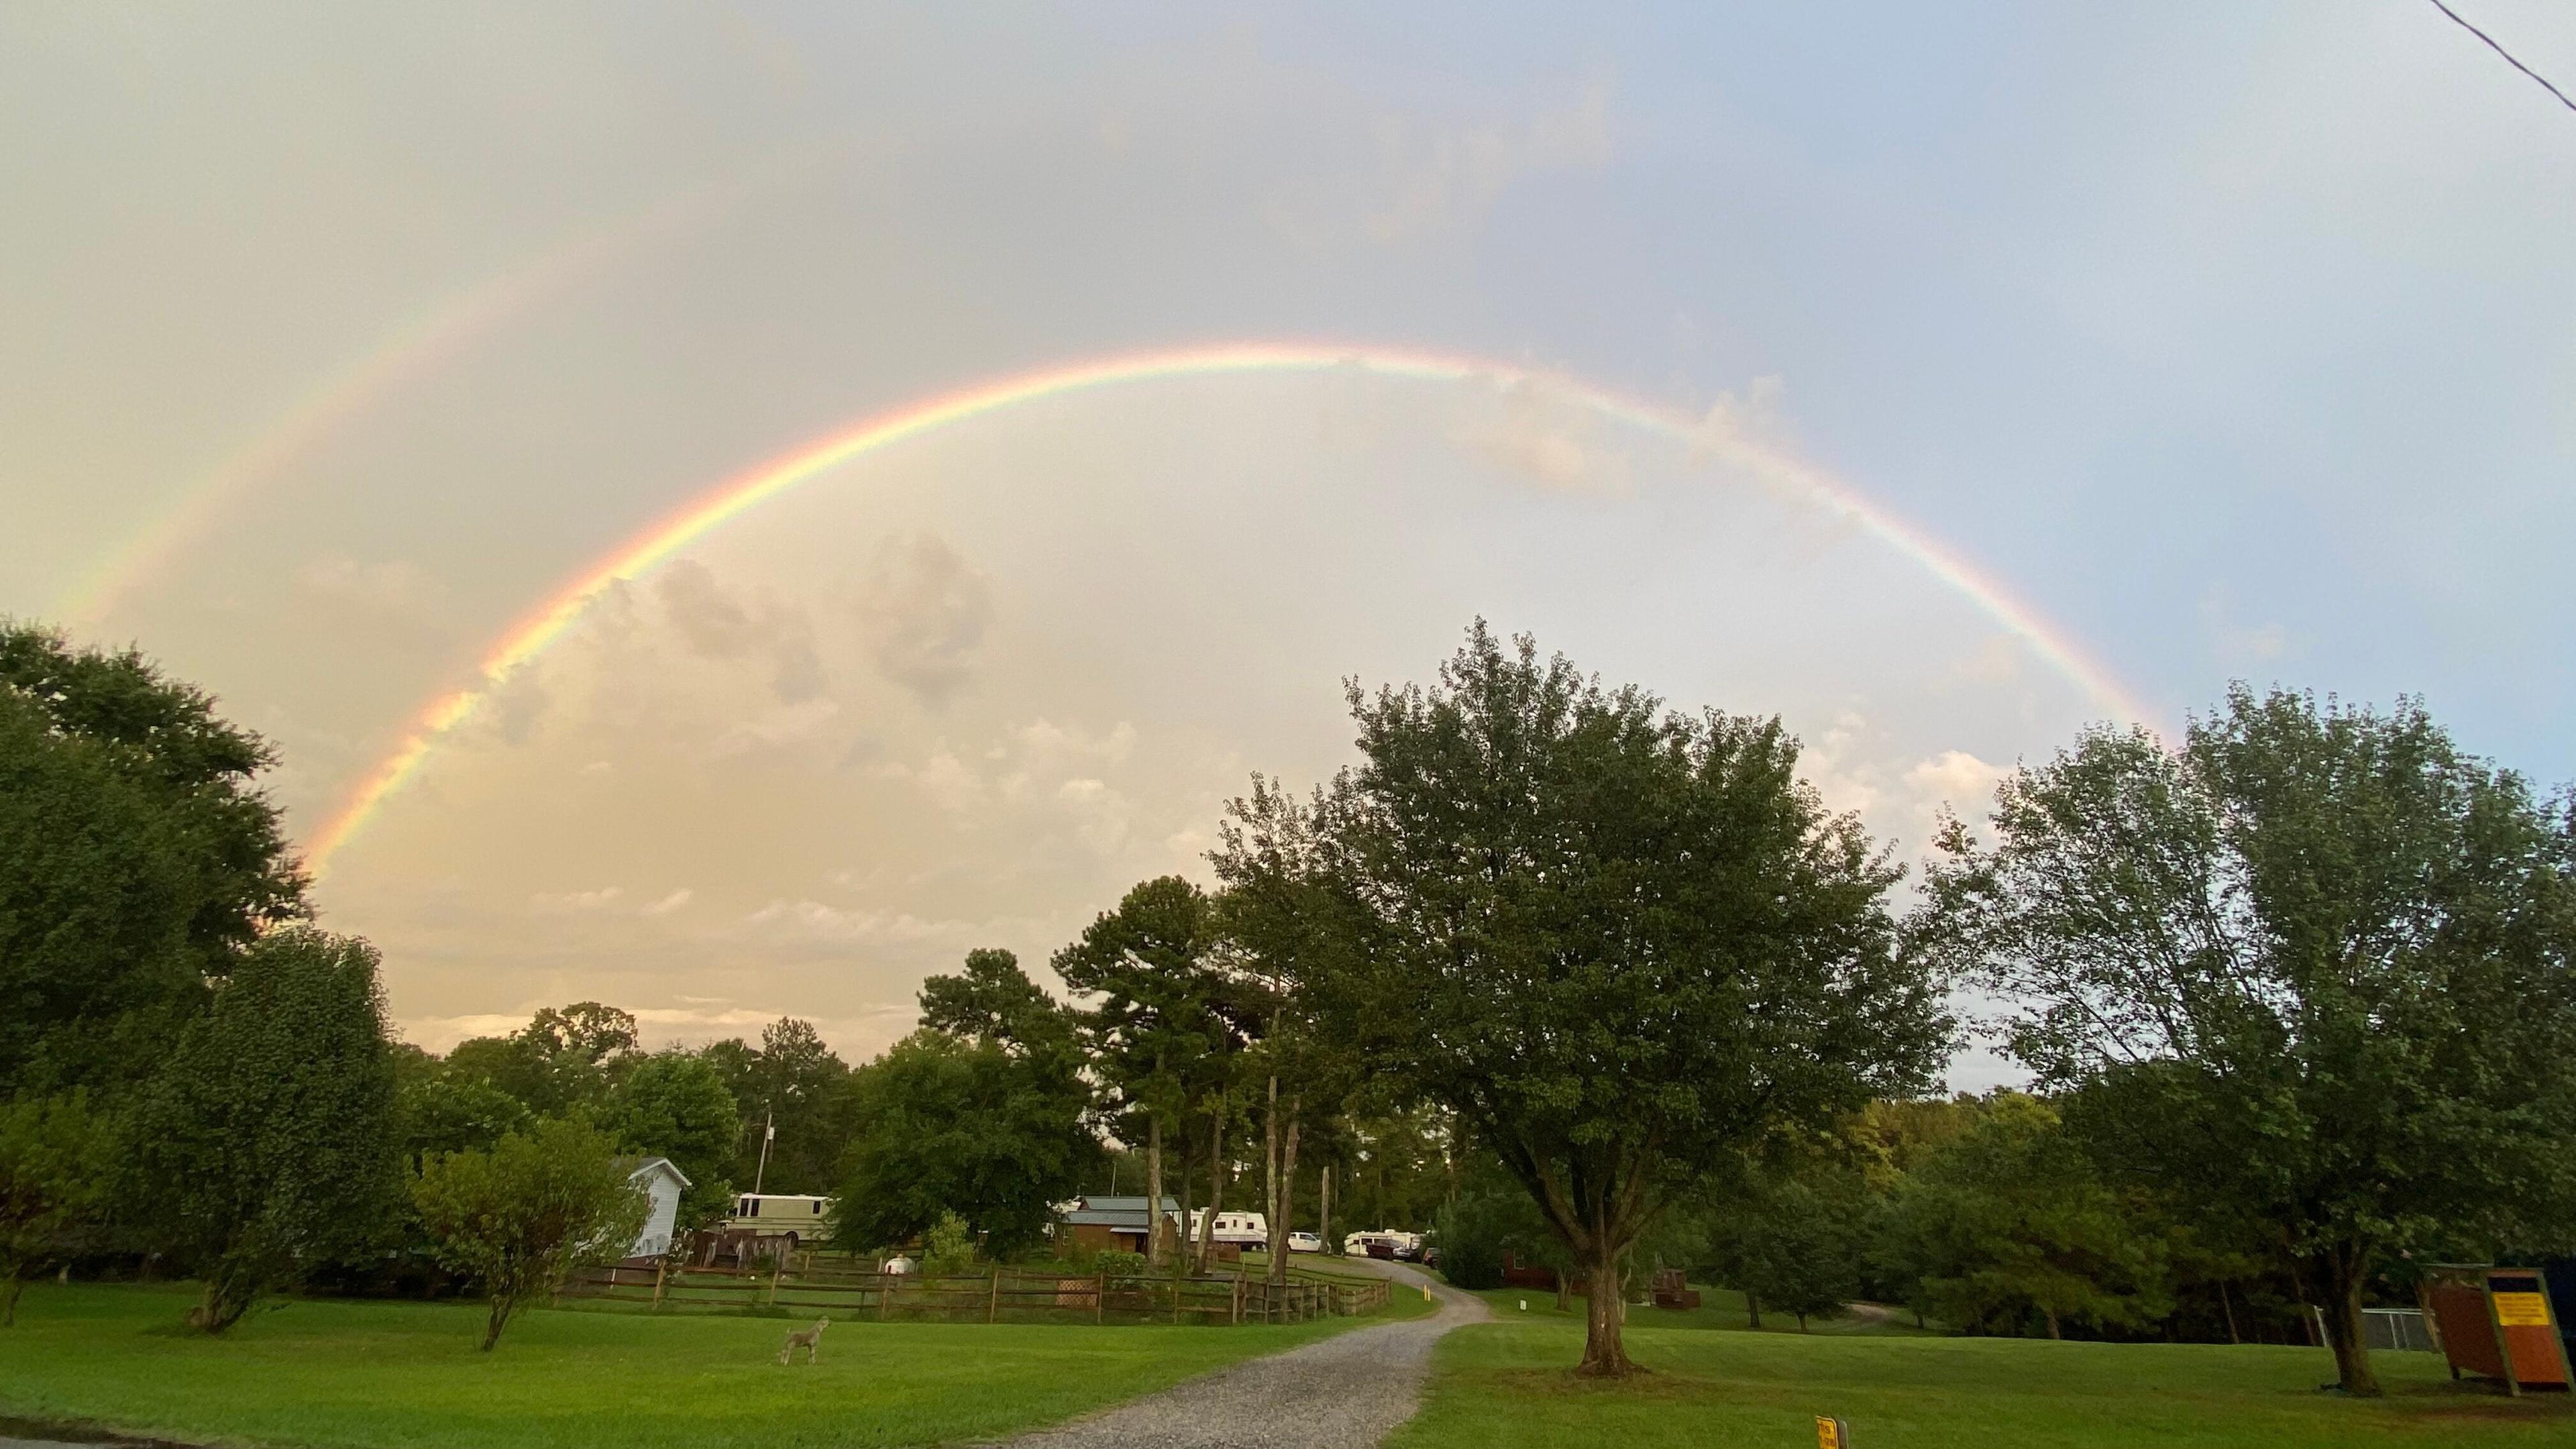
(1620, 943)
(943, 1124)
(138, 858)
(2310, 970)
(268, 1142)
(795, 1088)
(1153, 1027)
(2009, 1220)
(674, 1104)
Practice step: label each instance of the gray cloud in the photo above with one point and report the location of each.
(924, 609)
(715, 624)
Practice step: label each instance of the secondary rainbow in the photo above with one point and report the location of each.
(552, 618)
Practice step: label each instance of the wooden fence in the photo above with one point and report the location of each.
(1015, 1294)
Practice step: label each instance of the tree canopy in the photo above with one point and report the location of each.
(2310, 971)
(1621, 944)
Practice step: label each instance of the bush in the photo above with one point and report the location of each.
(948, 1248)
(1119, 1264)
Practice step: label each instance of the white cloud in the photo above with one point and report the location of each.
(1957, 779)
(568, 902)
(672, 902)
(1537, 431)
(715, 624)
(788, 724)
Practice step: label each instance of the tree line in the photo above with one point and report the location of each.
(1600, 982)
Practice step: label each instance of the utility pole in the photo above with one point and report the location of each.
(768, 1135)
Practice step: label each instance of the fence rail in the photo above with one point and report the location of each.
(1016, 1294)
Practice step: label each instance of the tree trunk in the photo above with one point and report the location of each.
(1270, 1173)
(1324, 1214)
(493, 1325)
(1216, 1194)
(1153, 1187)
(1604, 1355)
(2228, 1308)
(9, 1297)
(1287, 1203)
(2051, 1315)
(1752, 1309)
(2339, 1274)
(1802, 1323)
(1181, 1247)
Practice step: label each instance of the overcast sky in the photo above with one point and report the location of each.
(2236, 341)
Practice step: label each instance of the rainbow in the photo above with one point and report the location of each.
(540, 628)
(413, 348)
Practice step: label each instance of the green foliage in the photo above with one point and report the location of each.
(793, 1079)
(941, 1126)
(2313, 970)
(443, 1112)
(1120, 1264)
(994, 1001)
(523, 1216)
(2009, 1221)
(137, 860)
(1620, 944)
(1491, 1221)
(947, 1247)
(674, 1104)
(267, 1145)
(56, 1163)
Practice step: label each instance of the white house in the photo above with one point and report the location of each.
(663, 1183)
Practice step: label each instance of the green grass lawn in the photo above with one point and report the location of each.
(1506, 1385)
(1718, 1308)
(330, 1372)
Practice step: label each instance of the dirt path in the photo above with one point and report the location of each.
(1343, 1393)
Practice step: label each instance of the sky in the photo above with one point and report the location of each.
(1940, 379)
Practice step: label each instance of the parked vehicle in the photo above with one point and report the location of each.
(1304, 1243)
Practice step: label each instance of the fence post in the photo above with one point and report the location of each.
(776, 1272)
(1236, 1316)
(660, 1272)
(993, 1304)
(885, 1292)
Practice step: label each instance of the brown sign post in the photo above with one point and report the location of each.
(2496, 1323)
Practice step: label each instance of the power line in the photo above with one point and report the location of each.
(2507, 54)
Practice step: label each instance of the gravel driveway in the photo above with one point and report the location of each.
(1343, 1393)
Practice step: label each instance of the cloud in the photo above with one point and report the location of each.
(714, 624)
(1537, 431)
(924, 610)
(1446, 179)
(570, 902)
(2236, 643)
(788, 724)
(1956, 779)
(672, 902)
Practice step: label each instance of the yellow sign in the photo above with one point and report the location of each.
(2521, 1310)
(1832, 1433)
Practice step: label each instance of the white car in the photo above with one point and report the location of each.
(1305, 1243)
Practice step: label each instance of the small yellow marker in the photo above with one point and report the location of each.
(1832, 1433)
(1426, 1292)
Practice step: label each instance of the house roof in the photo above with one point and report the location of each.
(1113, 1212)
(641, 1166)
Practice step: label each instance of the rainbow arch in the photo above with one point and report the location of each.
(538, 629)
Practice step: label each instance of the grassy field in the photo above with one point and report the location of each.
(1721, 1308)
(337, 1373)
(1505, 1385)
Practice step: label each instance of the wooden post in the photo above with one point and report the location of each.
(660, 1272)
(993, 1303)
(1100, 1299)
(1236, 1316)
(885, 1292)
(776, 1272)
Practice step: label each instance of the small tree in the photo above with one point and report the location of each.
(268, 1144)
(522, 1217)
(54, 1165)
